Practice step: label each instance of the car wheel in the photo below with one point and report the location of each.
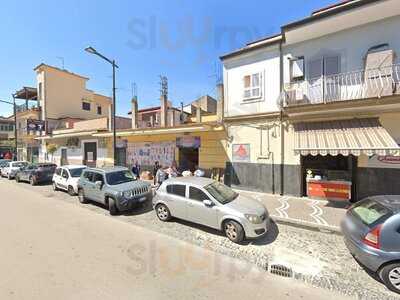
(390, 275)
(81, 196)
(112, 207)
(17, 179)
(32, 180)
(71, 191)
(163, 212)
(234, 231)
(9, 177)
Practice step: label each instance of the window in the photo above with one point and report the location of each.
(58, 171)
(65, 174)
(197, 194)
(98, 177)
(370, 212)
(86, 106)
(177, 189)
(252, 86)
(297, 69)
(99, 112)
(221, 192)
(88, 176)
(120, 177)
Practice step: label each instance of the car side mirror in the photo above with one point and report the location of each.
(208, 203)
(98, 184)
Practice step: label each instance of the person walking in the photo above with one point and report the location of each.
(136, 169)
(155, 169)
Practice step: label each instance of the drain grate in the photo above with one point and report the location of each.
(281, 270)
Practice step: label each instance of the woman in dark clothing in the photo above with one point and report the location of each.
(136, 169)
(155, 169)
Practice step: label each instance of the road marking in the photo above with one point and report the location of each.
(317, 213)
(284, 206)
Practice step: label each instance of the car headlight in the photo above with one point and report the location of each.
(128, 194)
(253, 219)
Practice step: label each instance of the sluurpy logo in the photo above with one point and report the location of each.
(202, 34)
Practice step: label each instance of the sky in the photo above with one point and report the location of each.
(178, 39)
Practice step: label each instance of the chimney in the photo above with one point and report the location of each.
(220, 103)
(163, 111)
(134, 115)
(198, 114)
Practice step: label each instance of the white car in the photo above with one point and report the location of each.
(12, 168)
(66, 178)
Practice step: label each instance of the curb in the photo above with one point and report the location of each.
(307, 225)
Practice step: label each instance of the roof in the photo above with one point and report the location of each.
(391, 201)
(27, 93)
(61, 70)
(199, 181)
(257, 44)
(345, 137)
(108, 169)
(329, 11)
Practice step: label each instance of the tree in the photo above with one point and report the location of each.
(51, 149)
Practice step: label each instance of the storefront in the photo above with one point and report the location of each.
(329, 154)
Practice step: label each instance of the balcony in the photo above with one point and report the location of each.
(356, 85)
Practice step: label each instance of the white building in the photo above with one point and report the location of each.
(323, 95)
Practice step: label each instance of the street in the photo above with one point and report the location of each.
(54, 250)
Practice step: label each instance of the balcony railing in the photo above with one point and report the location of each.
(27, 107)
(364, 84)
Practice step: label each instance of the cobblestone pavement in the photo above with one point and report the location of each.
(303, 211)
(318, 258)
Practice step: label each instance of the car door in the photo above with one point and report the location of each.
(97, 192)
(24, 173)
(64, 179)
(87, 184)
(197, 211)
(176, 200)
(57, 176)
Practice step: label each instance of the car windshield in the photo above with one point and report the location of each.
(19, 164)
(369, 211)
(221, 192)
(119, 177)
(76, 172)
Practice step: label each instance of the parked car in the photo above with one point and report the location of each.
(66, 178)
(115, 187)
(36, 173)
(372, 234)
(213, 204)
(3, 164)
(12, 168)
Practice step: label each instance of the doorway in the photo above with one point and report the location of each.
(188, 159)
(121, 157)
(64, 158)
(90, 154)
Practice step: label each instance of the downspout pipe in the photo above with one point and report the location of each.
(282, 164)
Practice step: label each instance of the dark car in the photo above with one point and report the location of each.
(36, 173)
(372, 234)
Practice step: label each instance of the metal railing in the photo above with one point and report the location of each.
(27, 107)
(363, 84)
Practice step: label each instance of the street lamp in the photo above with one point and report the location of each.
(91, 50)
(15, 125)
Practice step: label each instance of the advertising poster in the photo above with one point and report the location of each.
(241, 152)
(146, 154)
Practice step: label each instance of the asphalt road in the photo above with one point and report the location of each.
(52, 249)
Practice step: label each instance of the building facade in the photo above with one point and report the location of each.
(318, 101)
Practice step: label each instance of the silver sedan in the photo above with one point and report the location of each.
(213, 204)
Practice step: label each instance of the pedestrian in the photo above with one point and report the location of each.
(136, 169)
(161, 176)
(155, 169)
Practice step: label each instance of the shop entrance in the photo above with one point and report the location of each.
(332, 170)
(90, 154)
(188, 159)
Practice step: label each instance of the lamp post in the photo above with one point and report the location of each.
(91, 50)
(15, 125)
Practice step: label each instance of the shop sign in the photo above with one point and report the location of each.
(35, 125)
(241, 152)
(188, 142)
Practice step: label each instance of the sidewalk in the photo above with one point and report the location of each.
(303, 212)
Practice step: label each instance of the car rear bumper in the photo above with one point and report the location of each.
(367, 256)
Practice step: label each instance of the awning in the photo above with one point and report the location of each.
(355, 136)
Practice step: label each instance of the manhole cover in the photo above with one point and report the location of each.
(281, 270)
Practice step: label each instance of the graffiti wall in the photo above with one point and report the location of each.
(148, 153)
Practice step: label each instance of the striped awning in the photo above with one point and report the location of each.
(355, 136)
